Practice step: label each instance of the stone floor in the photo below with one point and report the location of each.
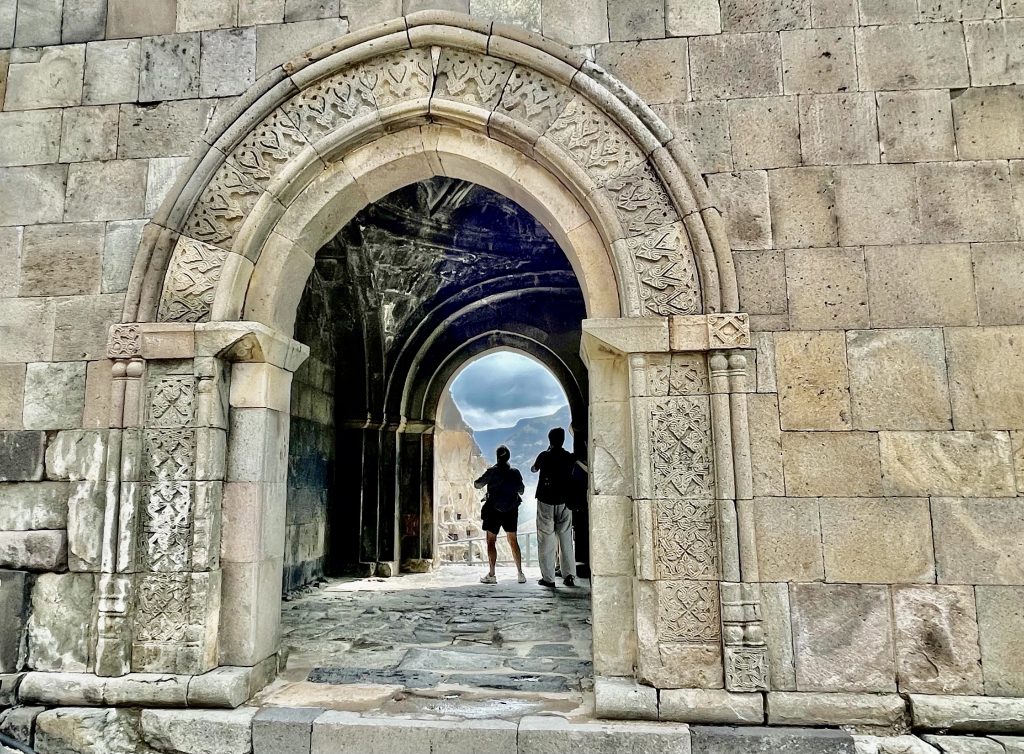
(440, 643)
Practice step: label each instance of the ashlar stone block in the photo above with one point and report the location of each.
(936, 640)
(966, 201)
(81, 325)
(12, 394)
(736, 65)
(961, 10)
(921, 286)
(8, 17)
(54, 395)
(228, 62)
(898, 379)
(843, 637)
(278, 43)
(38, 23)
(985, 377)
(200, 15)
(916, 56)
(761, 277)
(877, 541)
(758, 15)
(58, 628)
(813, 383)
(977, 540)
(704, 127)
(114, 190)
(803, 207)
(635, 19)
(765, 132)
(998, 277)
(21, 344)
(34, 550)
(170, 67)
(84, 20)
(162, 131)
(25, 506)
(657, 70)
(975, 464)
(1001, 629)
(50, 77)
(986, 120)
(743, 199)
(112, 72)
(827, 288)
(10, 259)
(831, 464)
(876, 12)
(691, 18)
(129, 18)
(838, 129)
(61, 260)
(30, 138)
(915, 126)
(877, 204)
(788, 539)
(573, 23)
(91, 731)
(778, 628)
(522, 13)
(163, 173)
(200, 731)
(765, 444)
(831, 13)
(21, 455)
(818, 61)
(89, 133)
(995, 49)
(119, 249)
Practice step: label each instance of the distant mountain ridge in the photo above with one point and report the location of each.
(525, 440)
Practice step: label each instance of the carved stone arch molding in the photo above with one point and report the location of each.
(203, 362)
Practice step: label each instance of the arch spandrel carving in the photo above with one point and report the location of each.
(597, 140)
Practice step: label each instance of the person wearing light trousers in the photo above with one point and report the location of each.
(554, 519)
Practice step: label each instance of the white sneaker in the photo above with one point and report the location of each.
(522, 577)
(488, 579)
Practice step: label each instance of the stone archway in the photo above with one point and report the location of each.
(204, 358)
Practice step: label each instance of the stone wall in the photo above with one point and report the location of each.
(869, 159)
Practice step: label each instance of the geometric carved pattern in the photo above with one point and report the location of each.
(124, 342)
(688, 612)
(687, 539)
(191, 284)
(594, 141)
(681, 448)
(160, 612)
(170, 454)
(535, 99)
(167, 527)
(476, 79)
(263, 153)
(666, 271)
(746, 668)
(323, 107)
(728, 330)
(220, 212)
(689, 374)
(172, 400)
(642, 203)
(400, 76)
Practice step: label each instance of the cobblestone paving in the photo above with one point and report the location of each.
(427, 634)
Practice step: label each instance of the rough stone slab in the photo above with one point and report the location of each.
(905, 744)
(89, 133)
(170, 67)
(38, 23)
(30, 138)
(657, 70)
(34, 550)
(827, 290)
(976, 464)
(1001, 629)
(10, 256)
(279, 43)
(200, 731)
(898, 379)
(348, 733)
(838, 129)
(711, 707)
(964, 744)
(985, 118)
(995, 51)
(843, 637)
(21, 455)
(625, 699)
(12, 396)
(14, 603)
(229, 62)
(127, 18)
(778, 628)
(114, 190)
(555, 735)
(921, 285)
(813, 381)
(54, 395)
(84, 20)
(165, 130)
(775, 142)
(877, 204)
(53, 77)
(61, 259)
(77, 455)
(937, 640)
(58, 629)
(112, 72)
(691, 18)
(758, 15)
(809, 462)
(90, 731)
(976, 540)
(776, 740)
(818, 61)
(19, 722)
(283, 730)
(736, 65)
(803, 207)
(985, 377)
(977, 714)
(32, 194)
(965, 201)
(788, 539)
(918, 56)
(221, 687)
(915, 126)
(883, 710)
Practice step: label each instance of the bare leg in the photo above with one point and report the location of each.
(517, 556)
(492, 551)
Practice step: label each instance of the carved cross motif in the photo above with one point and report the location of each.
(125, 341)
(161, 613)
(167, 527)
(687, 539)
(170, 454)
(729, 330)
(171, 400)
(688, 612)
(681, 448)
(746, 669)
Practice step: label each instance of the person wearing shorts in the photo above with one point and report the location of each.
(505, 488)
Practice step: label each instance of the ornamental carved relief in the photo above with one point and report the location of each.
(124, 342)
(170, 454)
(223, 207)
(167, 527)
(666, 271)
(746, 669)
(171, 399)
(266, 150)
(591, 138)
(680, 440)
(641, 202)
(533, 98)
(686, 539)
(191, 283)
(468, 77)
(688, 612)
(404, 75)
(161, 613)
(325, 106)
(689, 374)
(729, 330)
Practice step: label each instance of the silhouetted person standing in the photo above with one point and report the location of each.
(554, 519)
(501, 510)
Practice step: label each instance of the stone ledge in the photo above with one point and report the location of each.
(711, 707)
(797, 708)
(757, 740)
(973, 714)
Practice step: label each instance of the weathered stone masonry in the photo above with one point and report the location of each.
(867, 159)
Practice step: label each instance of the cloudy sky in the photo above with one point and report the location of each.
(503, 387)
